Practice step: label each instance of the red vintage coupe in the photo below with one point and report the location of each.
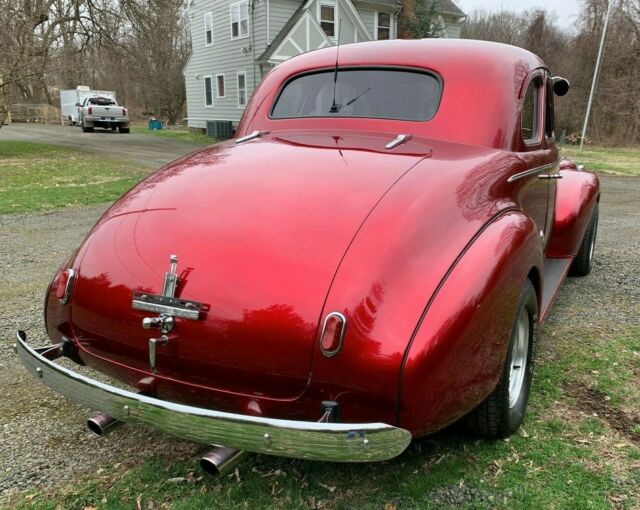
(366, 262)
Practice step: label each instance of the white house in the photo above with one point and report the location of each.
(235, 43)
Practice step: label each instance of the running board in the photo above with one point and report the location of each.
(555, 271)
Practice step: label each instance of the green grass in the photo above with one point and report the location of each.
(185, 135)
(605, 159)
(562, 458)
(39, 177)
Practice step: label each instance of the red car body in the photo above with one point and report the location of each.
(423, 249)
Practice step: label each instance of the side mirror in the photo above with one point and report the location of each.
(78, 105)
(560, 85)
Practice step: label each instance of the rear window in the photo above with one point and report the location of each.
(102, 101)
(374, 93)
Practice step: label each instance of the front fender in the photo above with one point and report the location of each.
(576, 195)
(456, 356)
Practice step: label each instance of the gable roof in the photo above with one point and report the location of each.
(282, 35)
(449, 7)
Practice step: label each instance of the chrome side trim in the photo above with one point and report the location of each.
(398, 140)
(336, 442)
(251, 136)
(532, 171)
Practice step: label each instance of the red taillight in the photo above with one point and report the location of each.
(124, 112)
(90, 111)
(63, 290)
(335, 325)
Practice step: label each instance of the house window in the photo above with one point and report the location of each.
(530, 117)
(208, 29)
(328, 19)
(242, 89)
(219, 85)
(383, 25)
(208, 91)
(239, 20)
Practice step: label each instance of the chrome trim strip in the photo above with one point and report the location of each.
(69, 286)
(174, 307)
(532, 171)
(398, 140)
(336, 442)
(331, 354)
(251, 136)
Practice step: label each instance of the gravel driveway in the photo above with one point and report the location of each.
(143, 149)
(43, 437)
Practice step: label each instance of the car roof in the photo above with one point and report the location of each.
(483, 85)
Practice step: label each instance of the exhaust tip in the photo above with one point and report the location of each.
(209, 466)
(221, 460)
(101, 424)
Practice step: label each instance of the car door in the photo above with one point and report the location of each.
(538, 155)
(552, 150)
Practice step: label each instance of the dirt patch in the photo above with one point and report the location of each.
(593, 401)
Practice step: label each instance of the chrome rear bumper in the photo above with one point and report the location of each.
(336, 442)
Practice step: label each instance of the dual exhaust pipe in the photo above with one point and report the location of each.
(218, 462)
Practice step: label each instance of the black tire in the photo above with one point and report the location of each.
(499, 415)
(124, 129)
(86, 129)
(583, 263)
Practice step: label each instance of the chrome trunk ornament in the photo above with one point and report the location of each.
(167, 306)
(166, 303)
(171, 278)
(153, 343)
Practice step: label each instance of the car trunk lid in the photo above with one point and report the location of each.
(259, 229)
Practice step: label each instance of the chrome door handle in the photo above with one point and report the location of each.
(550, 176)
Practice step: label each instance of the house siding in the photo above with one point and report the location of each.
(280, 11)
(452, 27)
(224, 56)
(229, 56)
(368, 14)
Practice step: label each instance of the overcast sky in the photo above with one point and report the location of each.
(566, 10)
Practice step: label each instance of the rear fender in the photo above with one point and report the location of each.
(576, 195)
(457, 353)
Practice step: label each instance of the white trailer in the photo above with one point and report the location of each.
(69, 100)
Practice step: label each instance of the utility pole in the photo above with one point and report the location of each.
(596, 72)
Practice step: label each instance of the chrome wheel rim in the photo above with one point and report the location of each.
(519, 355)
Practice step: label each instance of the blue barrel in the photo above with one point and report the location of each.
(155, 124)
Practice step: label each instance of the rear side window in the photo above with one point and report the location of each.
(372, 93)
(549, 113)
(530, 116)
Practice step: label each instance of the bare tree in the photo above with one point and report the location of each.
(31, 31)
(616, 110)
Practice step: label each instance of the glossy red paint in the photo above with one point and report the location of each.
(575, 200)
(422, 248)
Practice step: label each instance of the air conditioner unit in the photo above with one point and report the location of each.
(221, 129)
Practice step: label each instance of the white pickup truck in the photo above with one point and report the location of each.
(102, 112)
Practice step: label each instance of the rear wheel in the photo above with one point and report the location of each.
(503, 411)
(86, 129)
(583, 263)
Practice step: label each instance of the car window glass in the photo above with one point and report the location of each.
(374, 93)
(549, 121)
(530, 111)
(102, 101)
